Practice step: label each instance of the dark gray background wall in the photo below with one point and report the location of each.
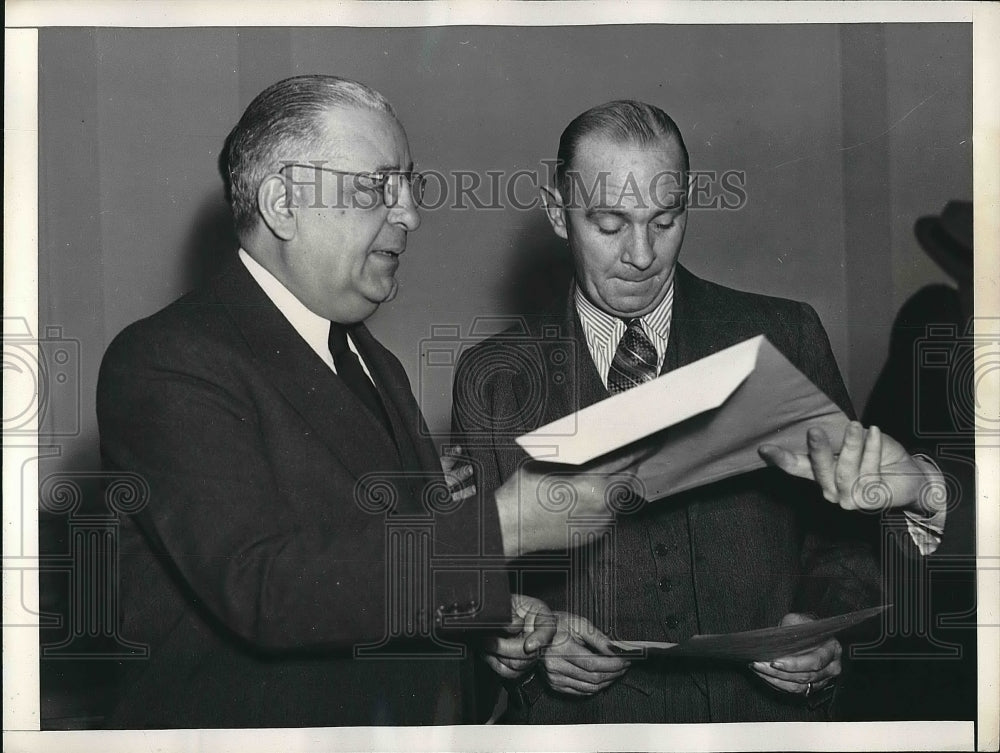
(846, 133)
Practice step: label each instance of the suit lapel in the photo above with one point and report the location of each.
(690, 336)
(589, 386)
(412, 437)
(321, 398)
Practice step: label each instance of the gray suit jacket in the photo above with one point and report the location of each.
(735, 555)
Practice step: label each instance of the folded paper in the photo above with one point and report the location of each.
(703, 422)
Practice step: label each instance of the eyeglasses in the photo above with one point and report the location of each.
(382, 183)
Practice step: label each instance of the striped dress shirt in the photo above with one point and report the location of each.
(603, 332)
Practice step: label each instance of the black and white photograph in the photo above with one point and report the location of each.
(501, 376)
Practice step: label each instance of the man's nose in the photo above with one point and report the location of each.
(404, 211)
(639, 250)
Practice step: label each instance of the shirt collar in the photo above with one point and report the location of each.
(312, 328)
(604, 325)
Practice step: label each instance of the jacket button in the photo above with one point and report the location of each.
(665, 585)
(672, 622)
(661, 549)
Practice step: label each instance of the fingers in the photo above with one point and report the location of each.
(572, 686)
(506, 656)
(566, 678)
(448, 462)
(589, 663)
(450, 457)
(804, 666)
(501, 668)
(871, 458)
(469, 491)
(455, 474)
(572, 662)
(458, 473)
(860, 460)
(866, 456)
(805, 671)
(849, 465)
(516, 624)
(588, 636)
(794, 688)
(871, 462)
(802, 682)
(577, 643)
(822, 462)
(539, 627)
(454, 466)
(791, 463)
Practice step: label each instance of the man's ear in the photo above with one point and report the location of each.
(277, 206)
(554, 210)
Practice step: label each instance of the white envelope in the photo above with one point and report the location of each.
(643, 410)
(705, 419)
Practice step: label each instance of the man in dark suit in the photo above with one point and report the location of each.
(300, 560)
(748, 552)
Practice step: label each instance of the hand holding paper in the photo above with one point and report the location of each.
(581, 660)
(804, 671)
(531, 629)
(535, 505)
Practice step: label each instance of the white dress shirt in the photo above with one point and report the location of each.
(312, 328)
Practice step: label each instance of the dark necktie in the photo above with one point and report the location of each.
(634, 361)
(349, 368)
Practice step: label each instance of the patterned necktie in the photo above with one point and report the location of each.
(634, 361)
(349, 369)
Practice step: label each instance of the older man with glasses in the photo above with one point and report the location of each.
(286, 569)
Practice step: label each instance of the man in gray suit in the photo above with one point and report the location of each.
(757, 550)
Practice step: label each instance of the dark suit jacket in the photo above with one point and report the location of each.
(735, 555)
(259, 564)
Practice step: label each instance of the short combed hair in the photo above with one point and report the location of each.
(625, 121)
(283, 118)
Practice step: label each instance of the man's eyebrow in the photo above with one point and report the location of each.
(673, 211)
(593, 211)
(392, 168)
